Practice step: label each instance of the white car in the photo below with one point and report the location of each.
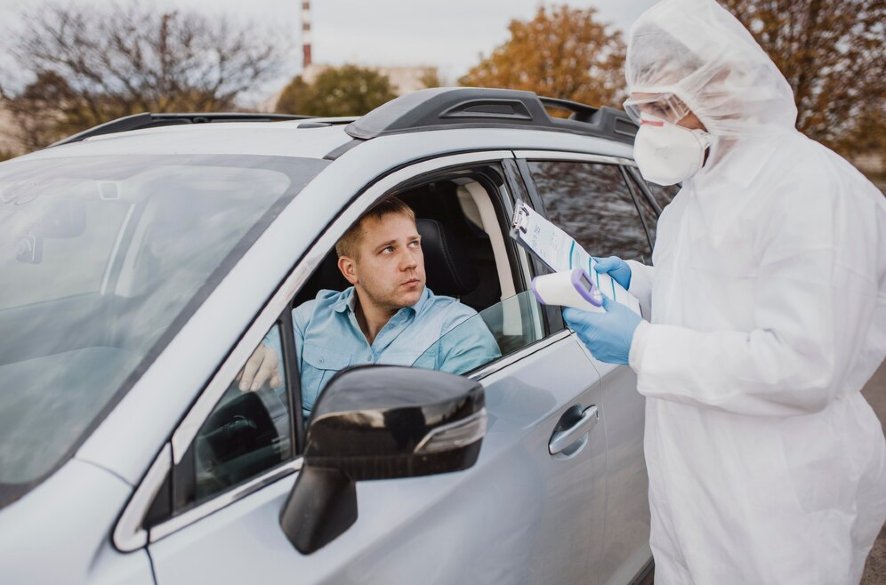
(142, 267)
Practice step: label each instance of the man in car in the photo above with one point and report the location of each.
(387, 316)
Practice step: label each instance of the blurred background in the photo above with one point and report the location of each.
(66, 66)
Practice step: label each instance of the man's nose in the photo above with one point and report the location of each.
(409, 259)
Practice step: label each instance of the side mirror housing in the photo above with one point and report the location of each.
(379, 422)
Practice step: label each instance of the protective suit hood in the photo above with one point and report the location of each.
(698, 51)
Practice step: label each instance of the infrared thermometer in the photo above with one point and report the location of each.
(568, 289)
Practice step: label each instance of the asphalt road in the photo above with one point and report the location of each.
(875, 392)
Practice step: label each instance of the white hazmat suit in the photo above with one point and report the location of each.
(768, 304)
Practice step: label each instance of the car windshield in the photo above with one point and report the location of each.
(103, 260)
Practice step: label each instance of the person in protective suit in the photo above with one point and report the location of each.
(768, 315)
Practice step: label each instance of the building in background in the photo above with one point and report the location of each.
(403, 79)
(10, 145)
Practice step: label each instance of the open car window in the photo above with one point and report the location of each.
(511, 324)
(248, 432)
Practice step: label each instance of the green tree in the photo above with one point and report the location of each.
(337, 91)
(88, 65)
(562, 53)
(833, 54)
(431, 78)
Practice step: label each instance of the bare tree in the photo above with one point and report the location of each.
(89, 65)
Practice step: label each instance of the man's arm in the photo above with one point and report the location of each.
(262, 367)
(468, 345)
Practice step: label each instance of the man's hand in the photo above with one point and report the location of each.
(615, 267)
(261, 368)
(608, 335)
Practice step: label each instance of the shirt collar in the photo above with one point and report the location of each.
(347, 299)
(422, 300)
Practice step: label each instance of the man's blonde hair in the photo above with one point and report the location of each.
(349, 243)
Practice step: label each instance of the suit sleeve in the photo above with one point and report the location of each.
(816, 305)
(641, 285)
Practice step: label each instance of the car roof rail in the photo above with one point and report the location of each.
(150, 120)
(471, 107)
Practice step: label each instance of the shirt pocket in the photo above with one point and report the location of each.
(319, 365)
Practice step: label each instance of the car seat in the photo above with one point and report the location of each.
(448, 266)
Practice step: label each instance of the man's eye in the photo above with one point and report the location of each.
(414, 244)
(388, 250)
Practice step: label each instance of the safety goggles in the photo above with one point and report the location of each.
(662, 106)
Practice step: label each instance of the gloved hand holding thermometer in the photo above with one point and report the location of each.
(605, 326)
(568, 289)
(615, 267)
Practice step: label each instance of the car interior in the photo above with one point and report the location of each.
(457, 250)
(466, 256)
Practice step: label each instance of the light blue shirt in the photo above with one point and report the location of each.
(328, 338)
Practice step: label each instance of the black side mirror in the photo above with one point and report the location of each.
(379, 422)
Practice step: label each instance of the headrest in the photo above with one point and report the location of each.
(448, 267)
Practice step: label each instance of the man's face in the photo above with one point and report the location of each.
(389, 268)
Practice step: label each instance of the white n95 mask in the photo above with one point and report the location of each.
(667, 153)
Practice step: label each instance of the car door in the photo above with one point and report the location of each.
(529, 511)
(591, 199)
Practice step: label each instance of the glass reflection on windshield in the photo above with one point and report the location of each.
(103, 259)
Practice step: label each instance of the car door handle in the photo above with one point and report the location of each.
(563, 439)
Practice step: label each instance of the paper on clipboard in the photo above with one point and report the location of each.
(560, 252)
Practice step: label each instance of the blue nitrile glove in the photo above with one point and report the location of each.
(608, 335)
(615, 267)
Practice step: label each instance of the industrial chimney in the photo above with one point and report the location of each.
(306, 34)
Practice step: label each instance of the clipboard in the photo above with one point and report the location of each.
(559, 252)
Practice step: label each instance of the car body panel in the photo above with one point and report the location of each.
(287, 139)
(626, 544)
(626, 548)
(59, 532)
(518, 499)
(545, 519)
(252, 138)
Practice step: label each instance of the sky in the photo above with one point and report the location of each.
(449, 34)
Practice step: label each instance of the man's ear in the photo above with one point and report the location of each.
(348, 268)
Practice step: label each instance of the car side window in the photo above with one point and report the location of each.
(470, 265)
(647, 211)
(248, 432)
(664, 195)
(592, 203)
(497, 331)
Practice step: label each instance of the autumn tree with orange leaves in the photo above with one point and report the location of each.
(563, 53)
(833, 53)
